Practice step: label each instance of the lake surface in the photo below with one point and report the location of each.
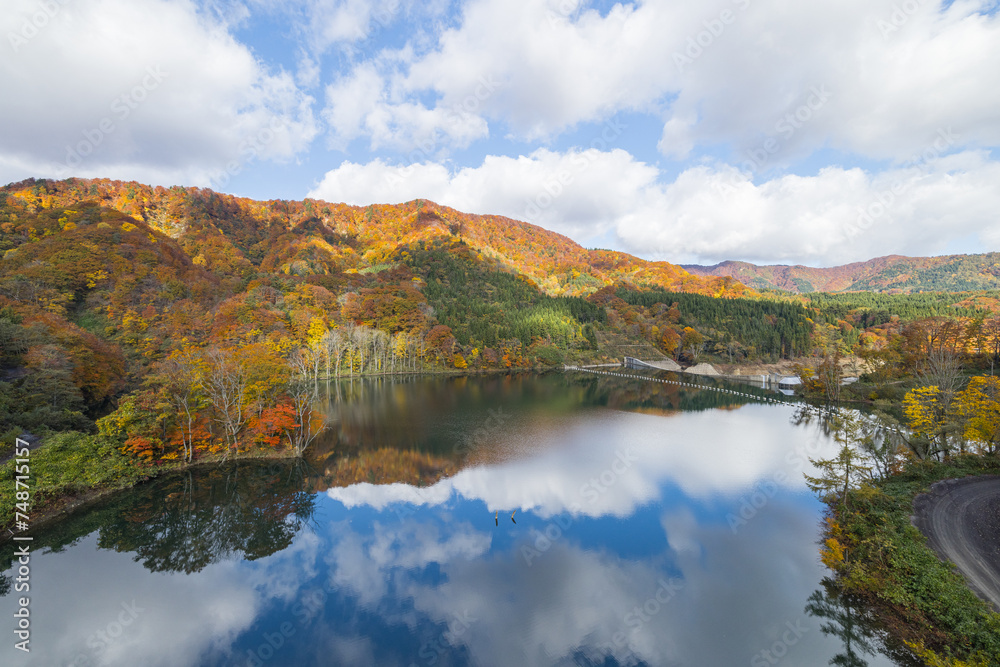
(653, 524)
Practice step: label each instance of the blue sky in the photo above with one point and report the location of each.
(817, 133)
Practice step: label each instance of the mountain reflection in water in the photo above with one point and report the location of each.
(655, 525)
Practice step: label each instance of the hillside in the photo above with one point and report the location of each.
(893, 274)
(310, 237)
(113, 295)
(180, 323)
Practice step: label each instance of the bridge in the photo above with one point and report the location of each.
(665, 365)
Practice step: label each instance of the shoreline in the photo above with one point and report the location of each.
(58, 507)
(55, 508)
(921, 599)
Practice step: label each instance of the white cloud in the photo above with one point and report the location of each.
(365, 104)
(361, 562)
(770, 81)
(555, 68)
(538, 69)
(209, 609)
(562, 595)
(709, 213)
(580, 193)
(890, 88)
(322, 25)
(148, 88)
(569, 600)
(868, 78)
(839, 215)
(727, 73)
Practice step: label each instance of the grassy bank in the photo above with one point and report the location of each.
(882, 559)
(74, 468)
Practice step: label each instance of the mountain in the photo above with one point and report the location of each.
(229, 233)
(894, 274)
(103, 282)
(156, 315)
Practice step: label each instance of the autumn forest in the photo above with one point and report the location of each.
(174, 323)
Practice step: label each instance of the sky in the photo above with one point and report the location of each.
(819, 132)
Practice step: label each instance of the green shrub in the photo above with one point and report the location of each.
(70, 463)
(550, 356)
(890, 564)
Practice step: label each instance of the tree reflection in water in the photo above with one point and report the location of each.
(188, 521)
(238, 511)
(851, 622)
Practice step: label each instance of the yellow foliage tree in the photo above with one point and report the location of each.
(978, 407)
(314, 335)
(927, 415)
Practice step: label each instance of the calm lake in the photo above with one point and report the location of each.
(653, 524)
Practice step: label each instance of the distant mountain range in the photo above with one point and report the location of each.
(234, 236)
(893, 274)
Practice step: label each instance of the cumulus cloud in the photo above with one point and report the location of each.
(537, 70)
(580, 193)
(710, 213)
(361, 562)
(764, 83)
(362, 103)
(839, 215)
(103, 89)
(100, 88)
(209, 609)
(726, 73)
(895, 73)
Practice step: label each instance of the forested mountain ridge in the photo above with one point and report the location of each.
(309, 237)
(145, 302)
(894, 274)
(172, 323)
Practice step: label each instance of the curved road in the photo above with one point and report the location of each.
(961, 519)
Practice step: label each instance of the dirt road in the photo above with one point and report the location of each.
(961, 519)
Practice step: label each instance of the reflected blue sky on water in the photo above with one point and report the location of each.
(687, 539)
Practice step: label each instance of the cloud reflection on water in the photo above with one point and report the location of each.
(707, 454)
(645, 567)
